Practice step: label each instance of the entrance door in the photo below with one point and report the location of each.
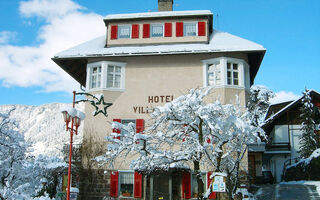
(252, 168)
(161, 186)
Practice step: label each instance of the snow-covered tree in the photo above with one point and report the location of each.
(20, 173)
(188, 133)
(258, 103)
(308, 139)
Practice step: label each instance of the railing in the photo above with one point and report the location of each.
(288, 163)
(280, 146)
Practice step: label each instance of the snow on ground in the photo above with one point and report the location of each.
(43, 126)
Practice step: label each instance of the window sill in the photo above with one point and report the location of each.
(106, 89)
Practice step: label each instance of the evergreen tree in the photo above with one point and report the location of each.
(308, 139)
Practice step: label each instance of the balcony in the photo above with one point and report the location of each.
(278, 147)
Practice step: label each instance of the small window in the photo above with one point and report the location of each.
(124, 31)
(113, 76)
(156, 30)
(126, 122)
(214, 74)
(190, 29)
(232, 73)
(195, 188)
(126, 184)
(95, 77)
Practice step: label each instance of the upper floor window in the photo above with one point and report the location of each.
(156, 30)
(214, 74)
(95, 77)
(232, 73)
(190, 29)
(124, 31)
(224, 71)
(105, 75)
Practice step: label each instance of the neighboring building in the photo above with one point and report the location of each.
(148, 59)
(283, 127)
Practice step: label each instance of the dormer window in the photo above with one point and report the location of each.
(226, 72)
(105, 75)
(124, 31)
(190, 29)
(156, 30)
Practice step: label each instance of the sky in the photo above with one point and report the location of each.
(33, 31)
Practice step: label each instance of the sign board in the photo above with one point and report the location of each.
(219, 184)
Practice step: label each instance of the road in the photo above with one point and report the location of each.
(287, 192)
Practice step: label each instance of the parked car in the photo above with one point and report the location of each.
(267, 177)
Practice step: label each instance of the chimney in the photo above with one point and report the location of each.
(165, 5)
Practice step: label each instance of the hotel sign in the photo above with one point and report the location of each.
(152, 100)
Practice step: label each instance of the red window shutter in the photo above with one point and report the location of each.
(114, 32)
(146, 30)
(168, 30)
(139, 125)
(186, 185)
(213, 194)
(135, 31)
(137, 192)
(114, 179)
(201, 28)
(179, 29)
(117, 130)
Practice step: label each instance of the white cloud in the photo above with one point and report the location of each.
(66, 26)
(7, 36)
(284, 96)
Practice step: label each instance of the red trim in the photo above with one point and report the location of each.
(137, 185)
(168, 30)
(213, 195)
(114, 181)
(117, 130)
(186, 185)
(139, 125)
(179, 29)
(114, 32)
(135, 31)
(146, 30)
(201, 28)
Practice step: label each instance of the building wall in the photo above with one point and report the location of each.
(156, 77)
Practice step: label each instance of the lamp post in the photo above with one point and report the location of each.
(75, 117)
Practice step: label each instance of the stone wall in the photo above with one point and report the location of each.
(94, 184)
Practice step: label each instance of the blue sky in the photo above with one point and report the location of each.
(31, 32)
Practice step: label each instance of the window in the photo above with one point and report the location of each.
(113, 76)
(194, 183)
(95, 77)
(190, 29)
(126, 180)
(105, 75)
(214, 74)
(232, 73)
(226, 72)
(124, 31)
(156, 30)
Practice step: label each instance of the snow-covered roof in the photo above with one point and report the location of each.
(158, 14)
(277, 114)
(219, 42)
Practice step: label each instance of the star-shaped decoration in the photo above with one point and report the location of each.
(100, 103)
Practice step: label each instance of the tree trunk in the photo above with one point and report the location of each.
(199, 179)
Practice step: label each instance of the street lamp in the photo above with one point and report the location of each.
(75, 116)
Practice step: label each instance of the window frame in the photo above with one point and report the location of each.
(119, 183)
(232, 71)
(151, 32)
(184, 28)
(243, 72)
(122, 26)
(103, 79)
